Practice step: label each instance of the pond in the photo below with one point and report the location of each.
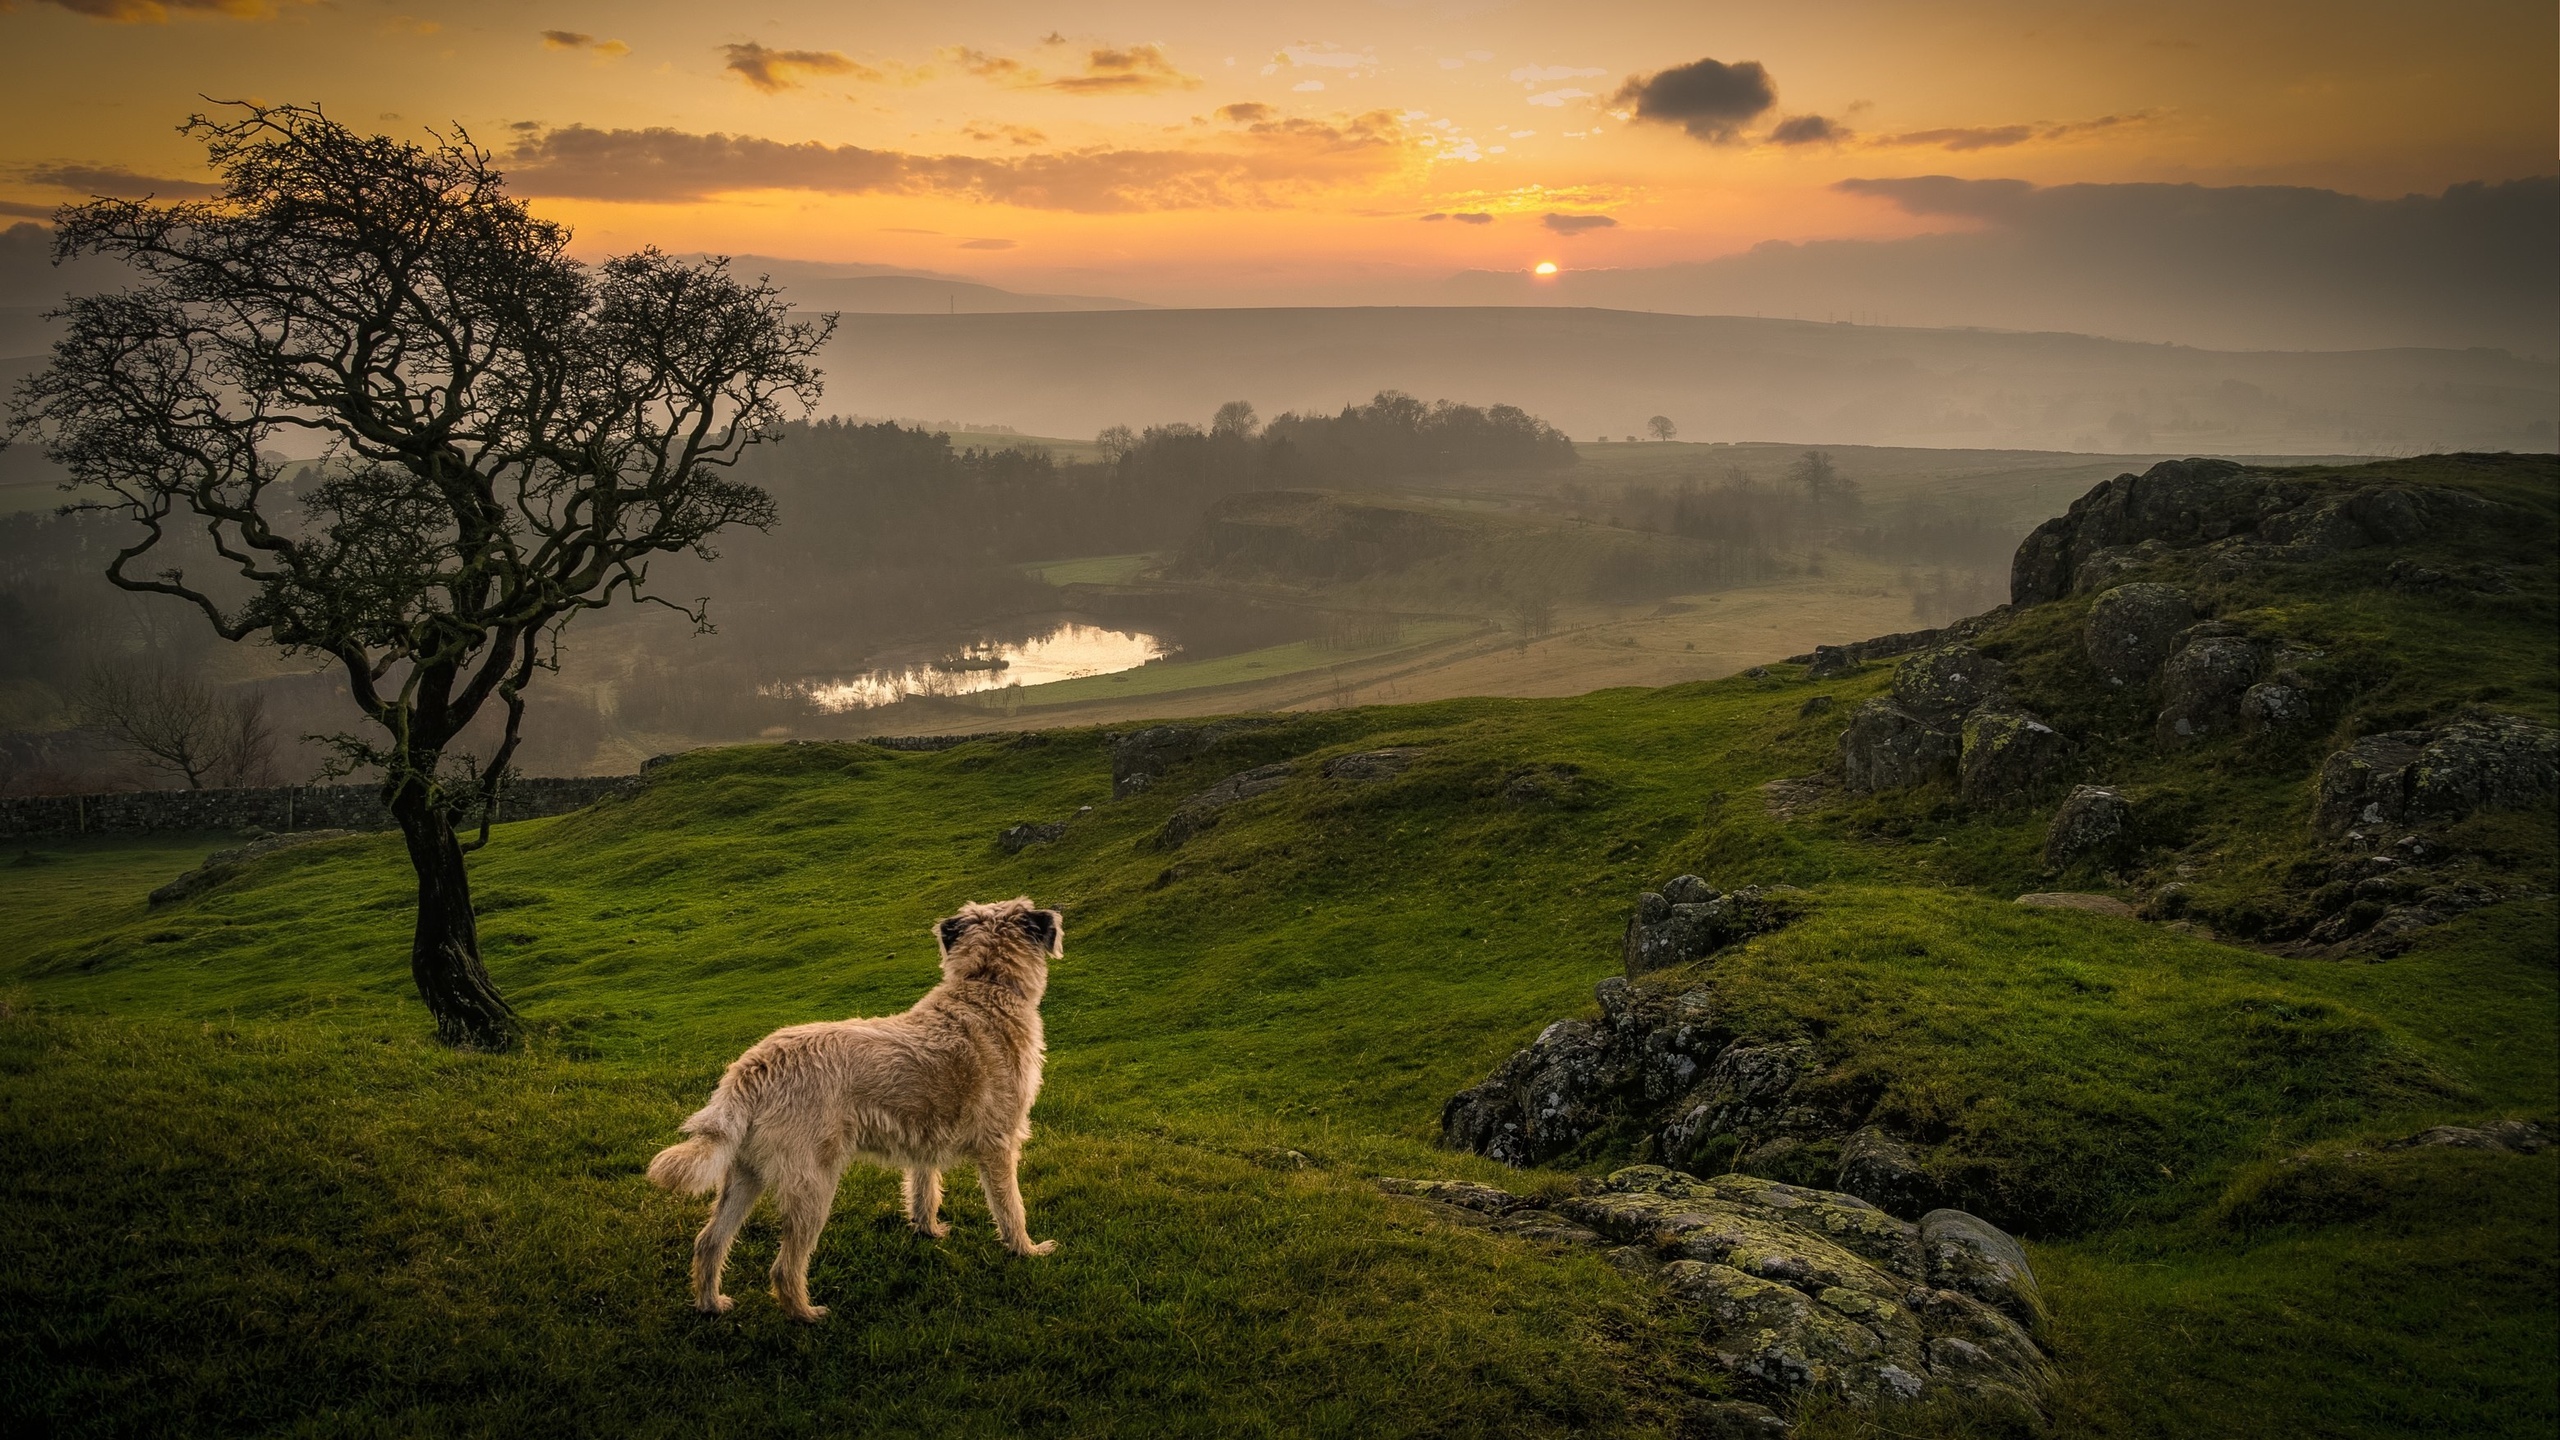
(1069, 651)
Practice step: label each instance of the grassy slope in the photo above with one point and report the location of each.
(263, 1202)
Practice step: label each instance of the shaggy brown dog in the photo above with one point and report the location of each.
(952, 1079)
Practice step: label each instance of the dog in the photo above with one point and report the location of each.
(951, 1079)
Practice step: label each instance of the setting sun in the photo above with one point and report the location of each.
(1546, 267)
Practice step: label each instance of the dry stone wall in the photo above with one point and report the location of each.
(279, 808)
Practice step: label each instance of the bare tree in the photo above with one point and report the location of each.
(510, 436)
(1662, 427)
(180, 726)
(1236, 419)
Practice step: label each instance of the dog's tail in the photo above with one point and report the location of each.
(697, 1165)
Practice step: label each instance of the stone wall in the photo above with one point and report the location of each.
(278, 808)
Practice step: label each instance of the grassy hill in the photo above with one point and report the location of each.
(249, 1194)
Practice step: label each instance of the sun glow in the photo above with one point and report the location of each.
(1546, 267)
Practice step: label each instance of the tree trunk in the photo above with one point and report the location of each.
(444, 956)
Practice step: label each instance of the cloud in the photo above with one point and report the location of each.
(156, 12)
(1009, 134)
(1246, 112)
(580, 40)
(986, 66)
(31, 212)
(1999, 137)
(1541, 74)
(1555, 99)
(1268, 162)
(986, 244)
(1306, 86)
(2242, 268)
(1576, 224)
(1708, 98)
(1463, 217)
(1134, 70)
(772, 71)
(1808, 130)
(115, 181)
(1327, 56)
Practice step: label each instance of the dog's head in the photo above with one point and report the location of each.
(1002, 941)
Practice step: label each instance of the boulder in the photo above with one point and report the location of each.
(1972, 1256)
(2201, 686)
(1200, 811)
(1372, 764)
(2507, 1137)
(2133, 629)
(1747, 1093)
(1940, 685)
(2092, 820)
(2180, 503)
(2416, 777)
(1885, 747)
(2269, 705)
(1815, 705)
(1689, 920)
(1829, 662)
(2008, 757)
(1543, 1100)
(1881, 1170)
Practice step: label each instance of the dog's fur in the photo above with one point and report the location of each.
(952, 1079)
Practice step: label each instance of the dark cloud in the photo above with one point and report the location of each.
(1267, 164)
(1708, 98)
(31, 212)
(28, 275)
(566, 39)
(1577, 224)
(1463, 217)
(986, 244)
(776, 70)
(1133, 70)
(2244, 267)
(1808, 130)
(1246, 112)
(117, 182)
(1009, 134)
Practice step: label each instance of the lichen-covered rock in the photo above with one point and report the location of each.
(1888, 748)
(2180, 503)
(1940, 685)
(1689, 920)
(2506, 1137)
(2416, 777)
(1543, 1100)
(1746, 1092)
(1975, 1257)
(1801, 1291)
(2201, 686)
(2269, 705)
(2092, 820)
(2133, 629)
(1879, 1169)
(2008, 757)
(1200, 811)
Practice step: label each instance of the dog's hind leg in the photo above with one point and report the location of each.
(804, 1202)
(924, 1202)
(1004, 1200)
(738, 1192)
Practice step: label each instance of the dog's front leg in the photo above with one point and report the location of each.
(996, 1176)
(924, 1202)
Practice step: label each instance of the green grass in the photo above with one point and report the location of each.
(1093, 569)
(248, 1193)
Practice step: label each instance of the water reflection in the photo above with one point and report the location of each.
(1068, 652)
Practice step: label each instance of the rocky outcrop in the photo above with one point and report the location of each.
(1802, 1292)
(221, 865)
(1688, 920)
(2133, 629)
(1199, 811)
(1826, 662)
(2092, 821)
(1019, 837)
(2406, 778)
(1882, 1171)
(2181, 505)
(2201, 686)
(1949, 715)
(2008, 757)
(2507, 1137)
(1142, 757)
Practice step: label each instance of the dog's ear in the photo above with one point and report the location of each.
(1046, 929)
(949, 931)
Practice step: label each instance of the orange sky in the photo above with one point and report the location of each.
(1205, 152)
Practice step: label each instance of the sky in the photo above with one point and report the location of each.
(1334, 151)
